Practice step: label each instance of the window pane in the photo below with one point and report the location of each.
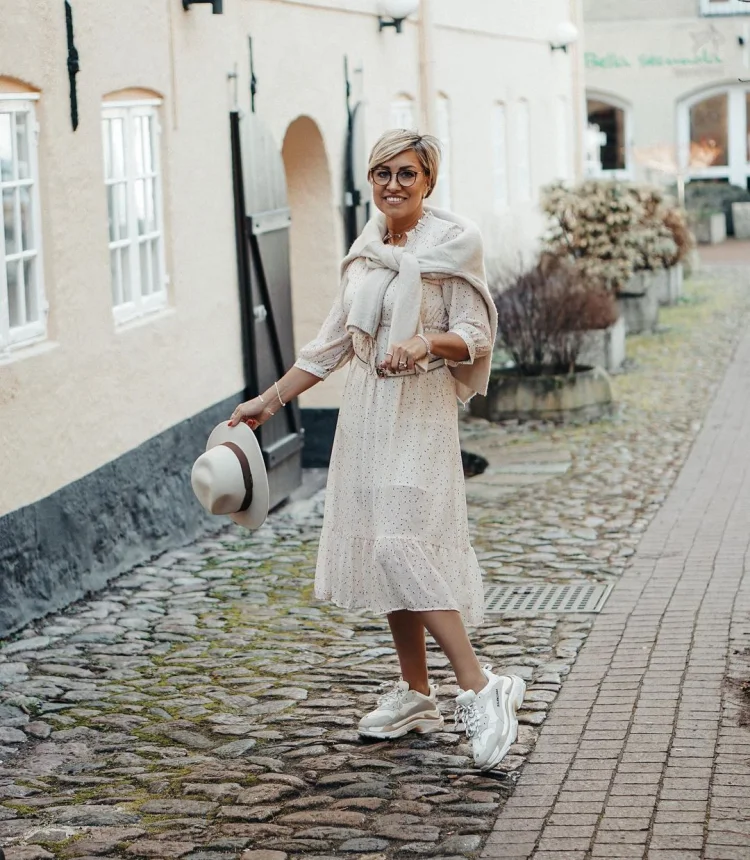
(107, 147)
(9, 219)
(22, 146)
(611, 123)
(15, 302)
(709, 131)
(117, 204)
(125, 273)
(150, 207)
(32, 296)
(6, 147)
(114, 266)
(156, 280)
(145, 254)
(140, 206)
(27, 227)
(148, 155)
(138, 144)
(117, 137)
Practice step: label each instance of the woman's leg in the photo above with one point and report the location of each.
(447, 629)
(407, 629)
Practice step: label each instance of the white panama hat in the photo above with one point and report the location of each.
(230, 478)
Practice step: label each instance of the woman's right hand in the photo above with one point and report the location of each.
(251, 412)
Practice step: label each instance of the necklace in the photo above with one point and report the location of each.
(397, 237)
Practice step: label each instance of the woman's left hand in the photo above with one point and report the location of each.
(404, 356)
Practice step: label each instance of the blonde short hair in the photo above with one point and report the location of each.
(399, 140)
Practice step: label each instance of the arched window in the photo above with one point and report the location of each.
(608, 138)
(501, 193)
(132, 176)
(22, 304)
(403, 114)
(714, 135)
(442, 194)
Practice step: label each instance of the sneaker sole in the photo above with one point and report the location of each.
(422, 726)
(515, 700)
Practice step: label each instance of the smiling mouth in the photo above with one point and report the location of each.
(394, 201)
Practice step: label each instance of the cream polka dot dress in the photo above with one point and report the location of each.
(395, 532)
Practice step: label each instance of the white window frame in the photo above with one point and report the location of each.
(500, 185)
(522, 138)
(725, 7)
(737, 171)
(139, 304)
(613, 101)
(30, 332)
(403, 113)
(443, 195)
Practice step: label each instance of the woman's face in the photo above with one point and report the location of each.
(396, 201)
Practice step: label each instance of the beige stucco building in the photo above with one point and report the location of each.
(121, 341)
(668, 87)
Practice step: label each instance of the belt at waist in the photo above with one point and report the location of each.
(388, 374)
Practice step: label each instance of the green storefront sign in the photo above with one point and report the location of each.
(650, 61)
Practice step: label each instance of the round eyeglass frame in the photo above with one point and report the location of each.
(397, 175)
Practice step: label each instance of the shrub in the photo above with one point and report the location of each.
(654, 242)
(544, 313)
(677, 222)
(705, 198)
(611, 229)
(593, 225)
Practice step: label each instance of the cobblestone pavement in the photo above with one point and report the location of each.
(203, 706)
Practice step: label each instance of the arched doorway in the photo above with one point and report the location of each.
(714, 134)
(609, 136)
(315, 257)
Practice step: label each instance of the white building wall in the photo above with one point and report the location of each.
(653, 58)
(93, 390)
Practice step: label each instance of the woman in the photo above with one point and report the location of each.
(416, 322)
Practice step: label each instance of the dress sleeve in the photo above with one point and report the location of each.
(331, 348)
(468, 318)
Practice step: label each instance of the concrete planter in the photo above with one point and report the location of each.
(741, 218)
(605, 348)
(670, 288)
(585, 394)
(711, 229)
(639, 304)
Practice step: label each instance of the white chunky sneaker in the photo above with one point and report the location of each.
(402, 710)
(489, 717)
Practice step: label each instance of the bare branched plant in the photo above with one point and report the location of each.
(544, 314)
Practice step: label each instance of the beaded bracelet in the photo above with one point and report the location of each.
(426, 343)
(278, 394)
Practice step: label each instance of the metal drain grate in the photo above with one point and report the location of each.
(537, 599)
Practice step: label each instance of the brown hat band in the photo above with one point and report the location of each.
(247, 475)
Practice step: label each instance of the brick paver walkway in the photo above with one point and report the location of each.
(646, 752)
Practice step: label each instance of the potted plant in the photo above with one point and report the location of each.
(706, 201)
(676, 221)
(709, 225)
(545, 314)
(741, 220)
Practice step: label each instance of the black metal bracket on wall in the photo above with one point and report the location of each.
(73, 65)
(218, 5)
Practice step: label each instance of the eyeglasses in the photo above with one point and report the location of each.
(405, 177)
